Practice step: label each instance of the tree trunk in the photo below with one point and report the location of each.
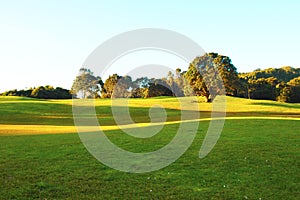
(208, 99)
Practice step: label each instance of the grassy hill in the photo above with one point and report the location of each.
(257, 155)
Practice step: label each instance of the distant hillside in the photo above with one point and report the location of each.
(41, 92)
(284, 74)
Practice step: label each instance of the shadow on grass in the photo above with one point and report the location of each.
(47, 112)
(277, 104)
(44, 112)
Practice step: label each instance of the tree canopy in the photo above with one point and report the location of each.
(211, 75)
(86, 85)
(42, 92)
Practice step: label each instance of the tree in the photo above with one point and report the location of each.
(142, 82)
(43, 92)
(290, 94)
(209, 73)
(109, 85)
(264, 88)
(228, 73)
(139, 92)
(180, 81)
(243, 88)
(140, 88)
(283, 74)
(86, 85)
(291, 91)
(122, 88)
(22, 93)
(60, 93)
(49, 92)
(175, 83)
(294, 82)
(195, 83)
(158, 87)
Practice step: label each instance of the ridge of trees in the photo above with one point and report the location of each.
(209, 75)
(41, 92)
(283, 74)
(281, 84)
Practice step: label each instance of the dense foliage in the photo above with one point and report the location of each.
(211, 75)
(281, 84)
(208, 76)
(42, 92)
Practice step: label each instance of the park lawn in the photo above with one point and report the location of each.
(257, 155)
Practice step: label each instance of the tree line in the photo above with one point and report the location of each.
(281, 84)
(208, 76)
(200, 79)
(41, 92)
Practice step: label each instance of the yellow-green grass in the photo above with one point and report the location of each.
(23, 116)
(257, 155)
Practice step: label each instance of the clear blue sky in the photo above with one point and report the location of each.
(46, 42)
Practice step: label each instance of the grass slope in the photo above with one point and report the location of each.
(257, 155)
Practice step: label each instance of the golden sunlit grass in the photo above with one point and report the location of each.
(6, 129)
(21, 116)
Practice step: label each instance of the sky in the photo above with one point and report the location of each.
(46, 42)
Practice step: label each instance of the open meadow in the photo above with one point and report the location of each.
(256, 157)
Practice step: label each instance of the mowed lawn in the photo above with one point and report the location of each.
(256, 157)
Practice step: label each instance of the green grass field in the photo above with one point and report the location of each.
(256, 157)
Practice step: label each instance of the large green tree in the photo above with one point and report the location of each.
(194, 84)
(209, 75)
